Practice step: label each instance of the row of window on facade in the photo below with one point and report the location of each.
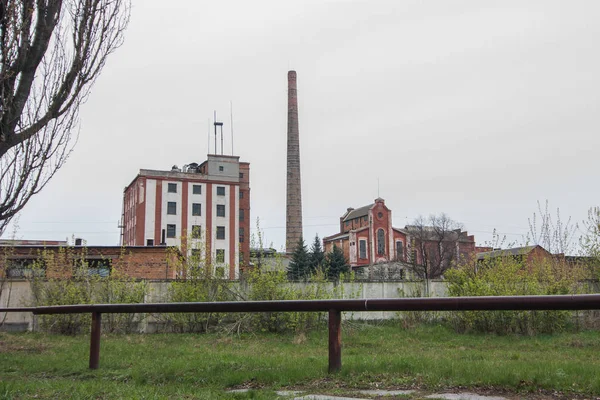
(197, 255)
(362, 246)
(197, 189)
(197, 210)
(36, 268)
(196, 232)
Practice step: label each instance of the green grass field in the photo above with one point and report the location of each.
(384, 356)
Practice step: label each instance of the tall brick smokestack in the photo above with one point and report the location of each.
(293, 224)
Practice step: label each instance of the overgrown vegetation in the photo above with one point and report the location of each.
(68, 278)
(198, 283)
(511, 276)
(428, 358)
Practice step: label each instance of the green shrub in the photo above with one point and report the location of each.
(510, 277)
(72, 282)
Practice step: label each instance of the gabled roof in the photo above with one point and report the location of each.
(357, 213)
(515, 251)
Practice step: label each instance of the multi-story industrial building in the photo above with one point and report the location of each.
(199, 207)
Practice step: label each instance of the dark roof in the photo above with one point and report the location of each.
(515, 251)
(357, 213)
(337, 236)
(430, 233)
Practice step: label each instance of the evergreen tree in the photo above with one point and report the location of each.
(336, 263)
(317, 256)
(299, 267)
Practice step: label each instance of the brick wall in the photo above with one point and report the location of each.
(136, 262)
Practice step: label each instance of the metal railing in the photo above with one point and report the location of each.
(333, 307)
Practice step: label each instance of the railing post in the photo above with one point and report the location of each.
(335, 341)
(95, 340)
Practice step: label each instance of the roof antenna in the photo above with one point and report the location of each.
(218, 124)
(208, 137)
(231, 117)
(377, 187)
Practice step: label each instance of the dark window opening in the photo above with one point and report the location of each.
(197, 189)
(399, 250)
(196, 209)
(221, 168)
(149, 242)
(220, 232)
(241, 194)
(171, 208)
(241, 235)
(241, 175)
(26, 268)
(241, 214)
(380, 242)
(220, 255)
(172, 188)
(171, 230)
(220, 190)
(220, 210)
(196, 231)
(362, 249)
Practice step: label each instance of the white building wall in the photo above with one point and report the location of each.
(196, 220)
(220, 221)
(150, 222)
(171, 219)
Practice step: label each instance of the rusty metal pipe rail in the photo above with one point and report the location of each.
(333, 307)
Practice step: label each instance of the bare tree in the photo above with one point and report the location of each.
(554, 235)
(434, 245)
(51, 53)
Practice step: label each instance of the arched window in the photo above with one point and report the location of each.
(380, 242)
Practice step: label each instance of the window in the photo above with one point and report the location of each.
(241, 194)
(220, 190)
(25, 268)
(149, 242)
(220, 232)
(196, 209)
(197, 189)
(196, 231)
(220, 255)
(221, 168)
(241, 235)
(241, 175)
(399, 250)
(171, 208)
(171, 228)
(241, 214)
(220, 210)
(380, 242)
(362, 249)
(196, 257)
(98, 267)
(172, 188)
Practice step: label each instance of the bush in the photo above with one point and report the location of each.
(510, 277)
(75, 283)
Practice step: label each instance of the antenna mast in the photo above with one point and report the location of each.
(218, 124)
(231, 118)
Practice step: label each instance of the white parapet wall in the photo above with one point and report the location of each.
(18, 293)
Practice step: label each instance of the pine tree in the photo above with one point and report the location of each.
(300, 263)
(317, 256)
(336, 263)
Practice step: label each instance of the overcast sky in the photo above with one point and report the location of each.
(478, 109)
